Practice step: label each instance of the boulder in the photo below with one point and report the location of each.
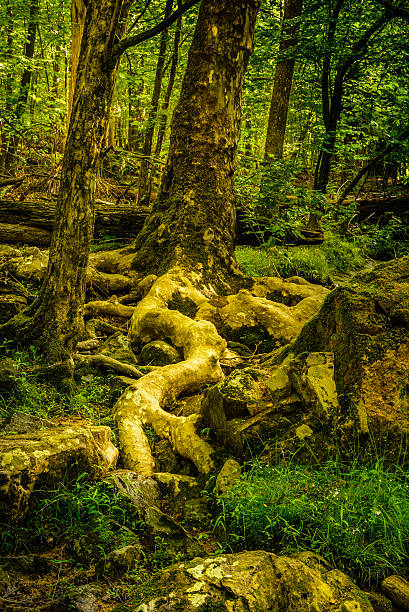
(365, 323)
(22, 423)
(8, 374)
(228, 476)
(158, 353)
(42, 458)
(120, 560)
(83, 598)
(10, 305)
(256, 580)
(118, 347)
(292, 407)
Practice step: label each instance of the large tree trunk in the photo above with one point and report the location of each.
(55, 319)
(283, 79)
(78, 11)
(192, 223)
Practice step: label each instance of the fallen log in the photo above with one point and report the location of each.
(121, 218)
(376, 207)
(24, 234)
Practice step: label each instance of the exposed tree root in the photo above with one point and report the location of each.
(143, 402)
(105, 362)
(112, 309)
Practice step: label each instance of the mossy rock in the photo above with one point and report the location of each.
(365, 323)
(254, 580)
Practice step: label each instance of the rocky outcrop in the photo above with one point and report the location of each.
(255, 580)
(365, 323)
(42, 458)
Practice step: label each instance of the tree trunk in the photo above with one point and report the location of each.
(55, 319)
(145, 179)
(171, 82)
(78, 11)
(283, 79)
(192, 223)
(25, 77)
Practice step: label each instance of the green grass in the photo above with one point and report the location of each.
(317, 264)
(92, 517)
(356, 517)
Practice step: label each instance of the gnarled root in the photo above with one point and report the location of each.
(142, 402)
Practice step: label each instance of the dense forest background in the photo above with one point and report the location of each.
(334, 73)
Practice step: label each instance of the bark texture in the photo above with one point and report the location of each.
(55, 319)
(283, 80)
(193, 219)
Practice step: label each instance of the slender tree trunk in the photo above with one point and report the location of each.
(55, 319)
(283, 79)
(193, 220)
(4, 158)
(136, 111)
(78, 11)
(145, 183)
(171, 82)
(26, 77)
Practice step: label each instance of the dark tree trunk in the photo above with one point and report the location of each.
(169, 89)
(26, 77)
(283, 79)
(192, 223)
(145, 178)
(55, 320)
(332, 102)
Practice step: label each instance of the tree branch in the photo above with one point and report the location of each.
(132, 41)
(397, 11)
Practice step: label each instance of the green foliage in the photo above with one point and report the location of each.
(92, 517)
(386, 241)
(356, 517)
(317, 264)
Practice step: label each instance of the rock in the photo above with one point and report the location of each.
(158, 353)
(26, 564)
(228, 476)
(22, 423)
(118, 347)
(165, 456)
(33, 265)
(10, 305)
(83, 598)
(380, 603)
(311, 377)
(144, 493)
(255, 580)
(365, 323)
(47, 456)
(120, 560)
(396, 589)
(5, 579)
(8, 374)
(240, 394)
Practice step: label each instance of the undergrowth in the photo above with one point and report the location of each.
(91, 399)
(92, 517)
(356, 517)
(317, 264)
